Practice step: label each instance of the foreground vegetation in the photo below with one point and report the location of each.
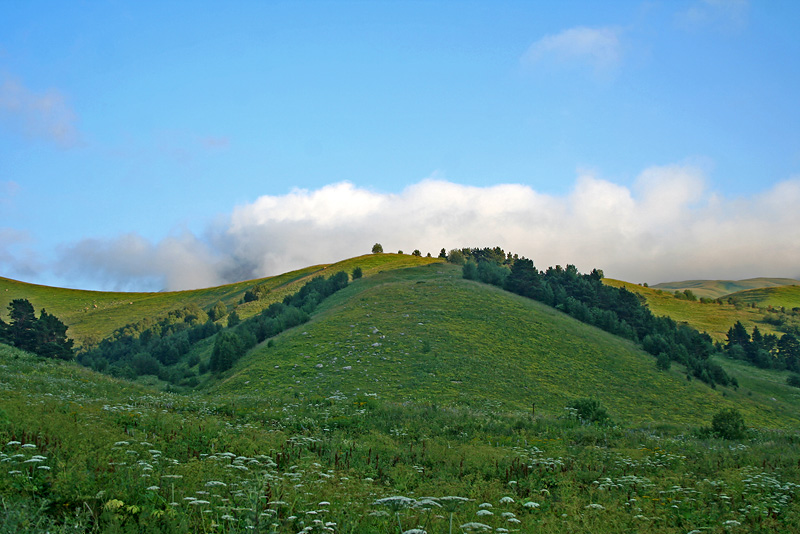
(84, 452)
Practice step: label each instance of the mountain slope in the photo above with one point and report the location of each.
(427, 334)
(721, 288)
(93, 315)
(778, 297)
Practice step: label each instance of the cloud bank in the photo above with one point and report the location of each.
(667, 226)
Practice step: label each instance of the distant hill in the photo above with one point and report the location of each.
(95, 314)
(714, 318)
(778, 297)
(720, 288)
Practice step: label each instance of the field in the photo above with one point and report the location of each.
(413, 399)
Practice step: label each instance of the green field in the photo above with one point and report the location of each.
(413, 383)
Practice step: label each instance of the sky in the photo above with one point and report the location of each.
(150, 146)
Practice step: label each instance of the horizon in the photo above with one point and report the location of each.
(151, 149)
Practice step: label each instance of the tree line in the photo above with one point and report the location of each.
(586, 298)
(763, 350)
(45, 335)
(170, 347)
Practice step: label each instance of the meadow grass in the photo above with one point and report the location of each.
(81, 452)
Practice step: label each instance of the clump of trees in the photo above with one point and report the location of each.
(586, 298)
(45, 335)
(763, 350)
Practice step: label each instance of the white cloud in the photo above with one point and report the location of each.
(599, 48)
(667, 226)
(17, 259)
(719, 14)
(45, 116)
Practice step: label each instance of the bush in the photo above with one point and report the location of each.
(793, 380)
(591, 411)
(357, 273)
(728, 424)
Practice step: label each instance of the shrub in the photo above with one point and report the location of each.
(793, 380)
(590, 410)
(728, 424)
(357, 273)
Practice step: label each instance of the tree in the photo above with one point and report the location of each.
(45, 336)
(357, 273)
(443, 254)
(218, 311)
(377, 248)
(728, 424)
(233, 319)
(416, 253)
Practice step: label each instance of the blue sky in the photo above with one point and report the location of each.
(150, 145)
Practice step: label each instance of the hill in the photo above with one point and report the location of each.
(715, 318)
(407, 383)
(787, 297)
(428, 333)
(93, 315)
(720, 288)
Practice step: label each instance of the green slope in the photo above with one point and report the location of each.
(713, 318)
(93, 315)
(720, 288)
(427, 334)
(778, 297)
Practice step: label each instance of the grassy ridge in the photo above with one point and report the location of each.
(721, 288)
(713, 318)
(778, 297)
(428, 334)
(95, 314)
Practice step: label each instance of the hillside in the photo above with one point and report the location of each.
(721, 288)
(93, 315)
(712, 317)
(787, 297)
(409, 382)
(429, 334)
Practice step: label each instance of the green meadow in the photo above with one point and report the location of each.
(413, 400)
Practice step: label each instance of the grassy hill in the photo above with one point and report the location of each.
(777, 297)
(721, 288)
(713, 318)
(410, 382)
(93, 315)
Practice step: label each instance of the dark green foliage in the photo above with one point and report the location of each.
(663, 361)
(227, 349)
(377, 248)
(357, 273)
(45, 335)
(443, 254)
(793, 380)
(728, 424)
(233, 319)
(469, 270)
(416, 253)
(218, 311)
(590, 411)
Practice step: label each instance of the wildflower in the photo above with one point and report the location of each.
(506, 500)
(415, 531)
(213, 483)
(44, 467)
(153, 488)
(484, 505)
(531, 504)
(29, 446)
(483, 512)
(395, 503)
(594, 506)
(121, 444)
(13, 443)
(475, 527)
